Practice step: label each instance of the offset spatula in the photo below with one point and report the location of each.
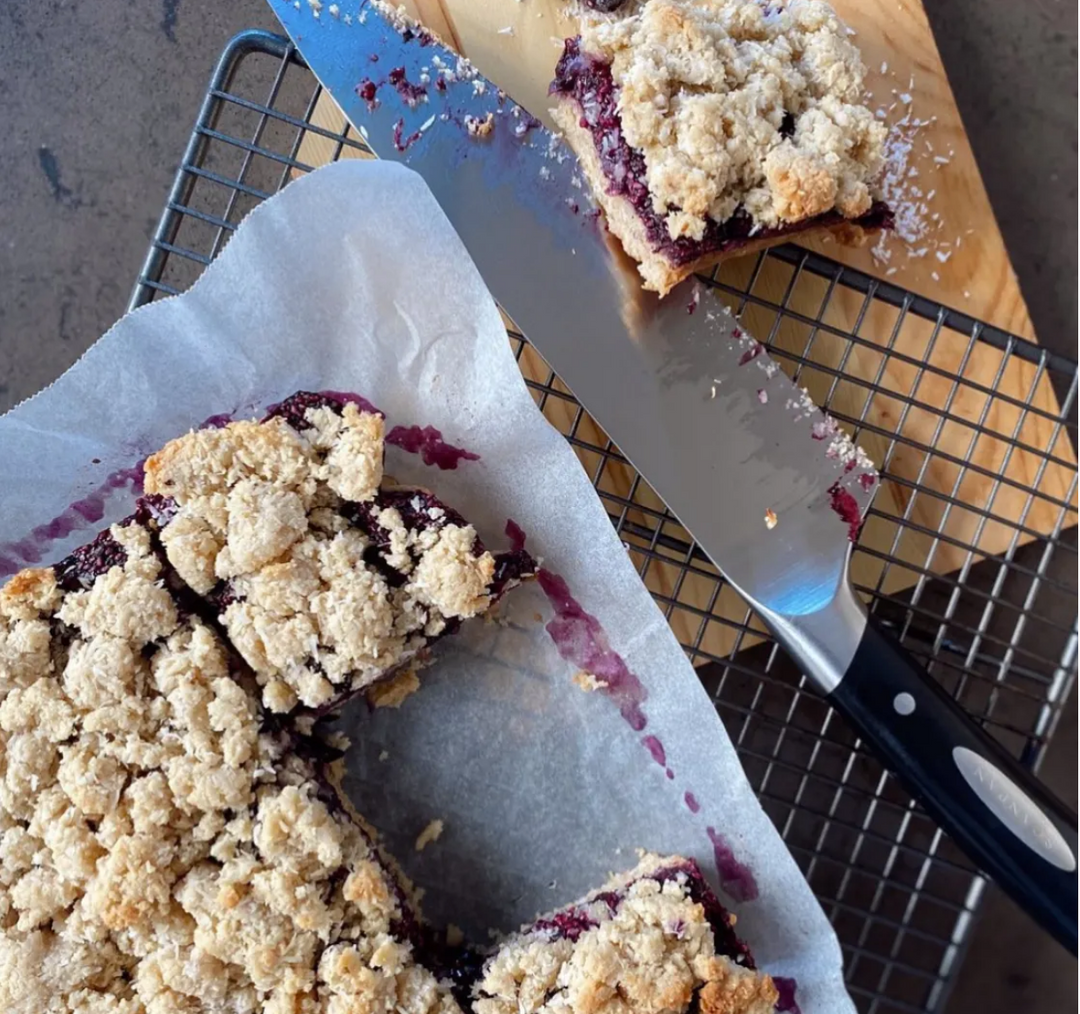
(771, 490)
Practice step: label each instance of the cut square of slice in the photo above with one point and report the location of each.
(712, 128)
(325, 575)
(654, 940)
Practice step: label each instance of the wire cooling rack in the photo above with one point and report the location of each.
(970, 555)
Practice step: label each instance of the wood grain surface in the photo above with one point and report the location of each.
(1005, 496)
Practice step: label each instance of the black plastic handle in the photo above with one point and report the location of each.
(1008, 823)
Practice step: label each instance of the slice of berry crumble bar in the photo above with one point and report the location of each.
(654, 940)
(710, 128)
(325, 575)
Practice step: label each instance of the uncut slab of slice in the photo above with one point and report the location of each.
(712, 128)
(654, 940)
(167, 846)
(325, 576)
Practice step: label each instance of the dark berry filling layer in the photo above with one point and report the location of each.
(79, 570)
(588, 81)
(727, 942)
(416, 507)
(293, 408)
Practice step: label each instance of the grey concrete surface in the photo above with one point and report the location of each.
(99, 98)
(1012, 67)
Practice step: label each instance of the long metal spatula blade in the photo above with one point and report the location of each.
(738, 452)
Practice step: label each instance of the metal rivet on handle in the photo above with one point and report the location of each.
(903, 704)
(1014, 809)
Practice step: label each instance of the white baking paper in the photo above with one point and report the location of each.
(353, 280)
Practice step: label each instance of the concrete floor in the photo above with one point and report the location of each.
(99, 99)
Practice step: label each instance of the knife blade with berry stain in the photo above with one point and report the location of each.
(771, 490)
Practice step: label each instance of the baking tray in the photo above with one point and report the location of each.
(999, 631)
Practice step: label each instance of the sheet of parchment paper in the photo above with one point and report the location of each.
(353, 280)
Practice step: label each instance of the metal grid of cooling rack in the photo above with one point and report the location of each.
(970, 553)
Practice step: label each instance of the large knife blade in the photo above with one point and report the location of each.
(770, 489)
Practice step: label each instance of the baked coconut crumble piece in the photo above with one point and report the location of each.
(325, 575)
(711, 128)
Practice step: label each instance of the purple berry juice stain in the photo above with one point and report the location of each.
(656, 750)
(412, 94)
(735, 877)
(691, 802)
(845, 505)
(785, 986)
(367, 90)
(582, 641)
(751, 353)
(428, 442)
(516, 534)
(401, 141)
(75, 517)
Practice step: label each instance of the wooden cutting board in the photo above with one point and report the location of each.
(958, 259)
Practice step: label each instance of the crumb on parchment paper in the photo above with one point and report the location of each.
(588, 682)
(394, 692)
(430, 834)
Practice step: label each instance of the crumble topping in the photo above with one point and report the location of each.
(737, 104)
(162, 851)
(478, 127)
(320, 587)
(640, 945)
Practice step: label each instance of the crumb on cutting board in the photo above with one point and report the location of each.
(430, 834)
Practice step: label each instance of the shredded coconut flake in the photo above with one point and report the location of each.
(430, 834)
